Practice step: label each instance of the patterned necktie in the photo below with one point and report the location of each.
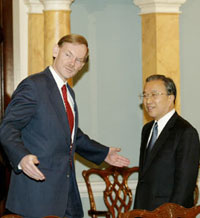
(153, 137)
(70, 115)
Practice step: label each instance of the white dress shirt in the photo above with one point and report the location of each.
(161, 123)
(60, 84)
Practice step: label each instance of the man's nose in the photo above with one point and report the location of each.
(73, 61)
(148, 99)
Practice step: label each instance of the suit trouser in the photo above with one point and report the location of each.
(70, 208)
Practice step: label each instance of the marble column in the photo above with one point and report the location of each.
(160, 40)
(56, 25)
(35, 36)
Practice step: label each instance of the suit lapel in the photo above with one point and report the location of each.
(145, 136)
(159, 142)
(57, 104)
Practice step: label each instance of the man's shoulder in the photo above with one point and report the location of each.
(183, 123)
(181, 126)
(38, 76)
(36, 82)
(148, 125)
(38, 79)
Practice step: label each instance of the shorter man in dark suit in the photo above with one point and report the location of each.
(170, 150)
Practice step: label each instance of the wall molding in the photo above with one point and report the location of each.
(99, 186)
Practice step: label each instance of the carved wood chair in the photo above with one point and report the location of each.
(117, 194)
(167, 210)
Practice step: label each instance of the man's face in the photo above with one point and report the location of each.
(69, 59)
(156, 101)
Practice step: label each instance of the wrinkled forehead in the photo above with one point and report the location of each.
(78, 50)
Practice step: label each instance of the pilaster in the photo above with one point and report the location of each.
(35, 36)
(160, 40)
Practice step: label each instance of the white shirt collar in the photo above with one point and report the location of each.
(58, 80)
(163, 121)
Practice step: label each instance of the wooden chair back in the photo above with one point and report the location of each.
(167, 210)
(117, 194)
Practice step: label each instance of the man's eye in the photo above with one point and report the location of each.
(80, 61)
(68, 55)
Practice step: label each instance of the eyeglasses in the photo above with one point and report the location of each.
(152, 95)
(78, 61)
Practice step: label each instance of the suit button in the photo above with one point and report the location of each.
(68, 176)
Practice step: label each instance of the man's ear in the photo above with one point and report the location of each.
(172, 97)
(55, 50)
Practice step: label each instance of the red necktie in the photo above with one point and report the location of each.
(70, 115)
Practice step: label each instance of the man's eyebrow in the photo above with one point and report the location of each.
(75, 56)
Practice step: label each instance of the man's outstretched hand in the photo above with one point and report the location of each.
(29, 166)
(113, 158)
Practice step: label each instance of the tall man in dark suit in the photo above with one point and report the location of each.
(40, 135)
(170, 150)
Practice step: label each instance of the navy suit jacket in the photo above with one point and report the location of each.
(36, 123)
(170, 173)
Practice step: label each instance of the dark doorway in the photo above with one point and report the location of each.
(6, 85)
(7, 76)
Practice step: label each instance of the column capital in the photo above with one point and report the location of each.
(159, 6)
(34, 6)
(57, 4)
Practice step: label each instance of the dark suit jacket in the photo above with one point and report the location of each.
(171, 171)
(36, 123)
